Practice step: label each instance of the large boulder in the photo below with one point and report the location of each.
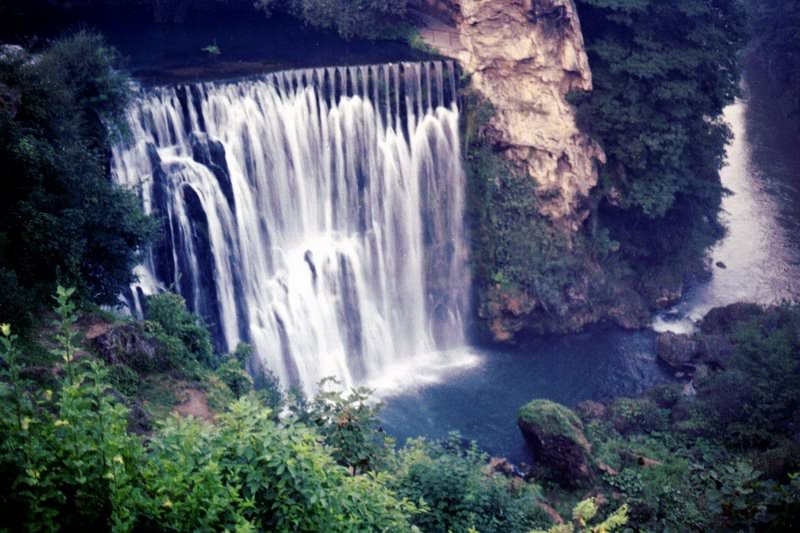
(555, 434)
(676, 350)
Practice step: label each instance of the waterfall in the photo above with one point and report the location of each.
(316, 214)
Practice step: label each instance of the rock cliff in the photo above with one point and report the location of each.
(524, 56)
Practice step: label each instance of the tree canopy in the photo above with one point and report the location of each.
(775, 26)
(663, 72)
(61, 218)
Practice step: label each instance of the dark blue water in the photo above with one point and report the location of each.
(481, 402)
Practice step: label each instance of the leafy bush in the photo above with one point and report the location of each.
(757, 397)
(66, 455)
(458, 495)
(183, 333)
(641, 414)
(233, 371)
(349, 425)
(585, 511)
(69, 463)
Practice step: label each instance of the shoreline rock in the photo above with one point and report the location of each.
(555, 435)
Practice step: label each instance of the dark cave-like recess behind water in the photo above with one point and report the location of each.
(249, 42)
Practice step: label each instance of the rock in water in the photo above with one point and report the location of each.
(676, 350)
(555, 434)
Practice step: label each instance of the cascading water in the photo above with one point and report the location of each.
(316, 214)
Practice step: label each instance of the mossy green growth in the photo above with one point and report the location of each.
(551, 418)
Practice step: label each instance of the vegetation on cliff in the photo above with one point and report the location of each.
(350, 18)
(662, 72)
(520, 260)
(60, 216)
(775, 27)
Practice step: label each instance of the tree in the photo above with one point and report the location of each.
(61, 218)
(663, 72)
(775, 26)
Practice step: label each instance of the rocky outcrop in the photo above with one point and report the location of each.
(555, 434)
(525, 56)
(676, 350)
(128, 345)
(694, 354)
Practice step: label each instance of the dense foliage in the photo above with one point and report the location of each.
(775, 26)
(367, 18)
(458, 494)
(350, 18)
(61, 218)
(68, 461)
(663, 72)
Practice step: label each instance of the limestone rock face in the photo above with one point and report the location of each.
(524, 57)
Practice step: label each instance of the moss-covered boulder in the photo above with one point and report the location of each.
(555, 434)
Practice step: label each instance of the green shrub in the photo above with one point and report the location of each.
(756, 398)
(349, 425)
(61, 218)
(458, 495)
(638, 414)
(585, 511)
(69, 463)
(183, 333)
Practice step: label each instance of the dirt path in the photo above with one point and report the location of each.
(195, 405)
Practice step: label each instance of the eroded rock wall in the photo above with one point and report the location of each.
(524, 56)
